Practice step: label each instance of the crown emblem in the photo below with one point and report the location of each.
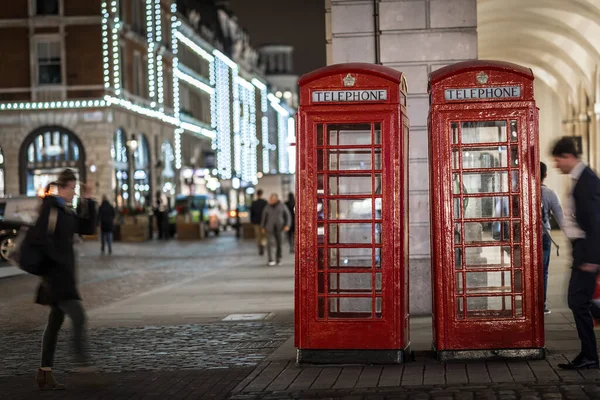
(482, 78)
(349, 80)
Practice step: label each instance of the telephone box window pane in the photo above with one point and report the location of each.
(460, 308)
(350, 307)
(320, 140)
(378, 307)
(515, 181)
(455, 159)
(517, 256)
(349, 134)
(321, 260)
(321, 308)
(487, 257)
(357, 184)
(483, 132)
(351, 209)
(486, 182)
(489, 307)
(350, 233)
(516, 231)
(351, 258)
(377, 133)
(487, 207)
(320, 210)
(485, 157)
(378, 282)
(321, 283)
(320, 158)
(344, 283)
(458, 258)
(497, 231)
(352, 160)
(378, 208)
(378, 258)
(321, 234)
(455, 137)
(518, 306)
(457, 184)
(513, 131)
(457, 234)
(516, 209)
(489, 282)
(378, 233)
(457, 209)
(514, 156)
(459, 283)
(518, 281)
(320, 184)
(377, 160)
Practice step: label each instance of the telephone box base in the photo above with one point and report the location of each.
(491, 354)
(304, 356)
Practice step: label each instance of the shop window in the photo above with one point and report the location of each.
(47, 7)
(141, 173)
(49, 62)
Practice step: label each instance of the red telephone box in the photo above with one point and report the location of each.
(485, 212)
(352, 216)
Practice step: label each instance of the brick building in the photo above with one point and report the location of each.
(129, 94)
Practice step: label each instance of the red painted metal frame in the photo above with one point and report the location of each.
(390, 329)
(453, 331)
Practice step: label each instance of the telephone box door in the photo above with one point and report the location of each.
(352, 269)
(491, 300)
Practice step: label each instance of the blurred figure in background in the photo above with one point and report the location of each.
(275, 220)
(256, 212)
(550, 205)
(291, 206)
(106, 219)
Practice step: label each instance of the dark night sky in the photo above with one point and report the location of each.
(300, 23)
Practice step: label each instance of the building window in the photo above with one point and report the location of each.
(123, 67)
(138, 16)
(138, 74)
(49, 63)
(47, 7)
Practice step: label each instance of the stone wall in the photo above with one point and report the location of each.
(416, 37)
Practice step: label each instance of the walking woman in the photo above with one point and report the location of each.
(53, 236)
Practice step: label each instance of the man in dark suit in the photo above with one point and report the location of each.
(581, 224)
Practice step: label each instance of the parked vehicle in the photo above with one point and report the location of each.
(200, 208)
(15, 213)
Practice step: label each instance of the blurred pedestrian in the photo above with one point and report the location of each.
(550, 205)
(581, 224)
(160, 214)
(291, 206)
(53, 235)
(275, 220)
(106, 219)
(256, 212)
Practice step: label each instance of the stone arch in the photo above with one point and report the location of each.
(45, 152)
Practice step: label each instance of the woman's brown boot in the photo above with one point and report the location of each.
(46, 381)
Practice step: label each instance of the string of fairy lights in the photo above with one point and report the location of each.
(233, 101)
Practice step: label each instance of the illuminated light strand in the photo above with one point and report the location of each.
(150, 37)
(194, 47)
(237, 134)
(142, 110)
(291, 134)
(194, 82)
(176, 107)
(282, 143)
(260, 85)
(105, 48)
(213, 100)
(198, 129)
(280, 110)
(116, 49)
(264, 108)
(52, 105)
(159, 59)
(223, 139)
(225, 59)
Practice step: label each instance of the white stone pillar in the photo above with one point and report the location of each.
(416, 37)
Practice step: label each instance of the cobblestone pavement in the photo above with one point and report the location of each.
(133, 268)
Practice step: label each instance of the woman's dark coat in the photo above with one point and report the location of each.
(59, 282)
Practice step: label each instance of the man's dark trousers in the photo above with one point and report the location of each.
(581, 291)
